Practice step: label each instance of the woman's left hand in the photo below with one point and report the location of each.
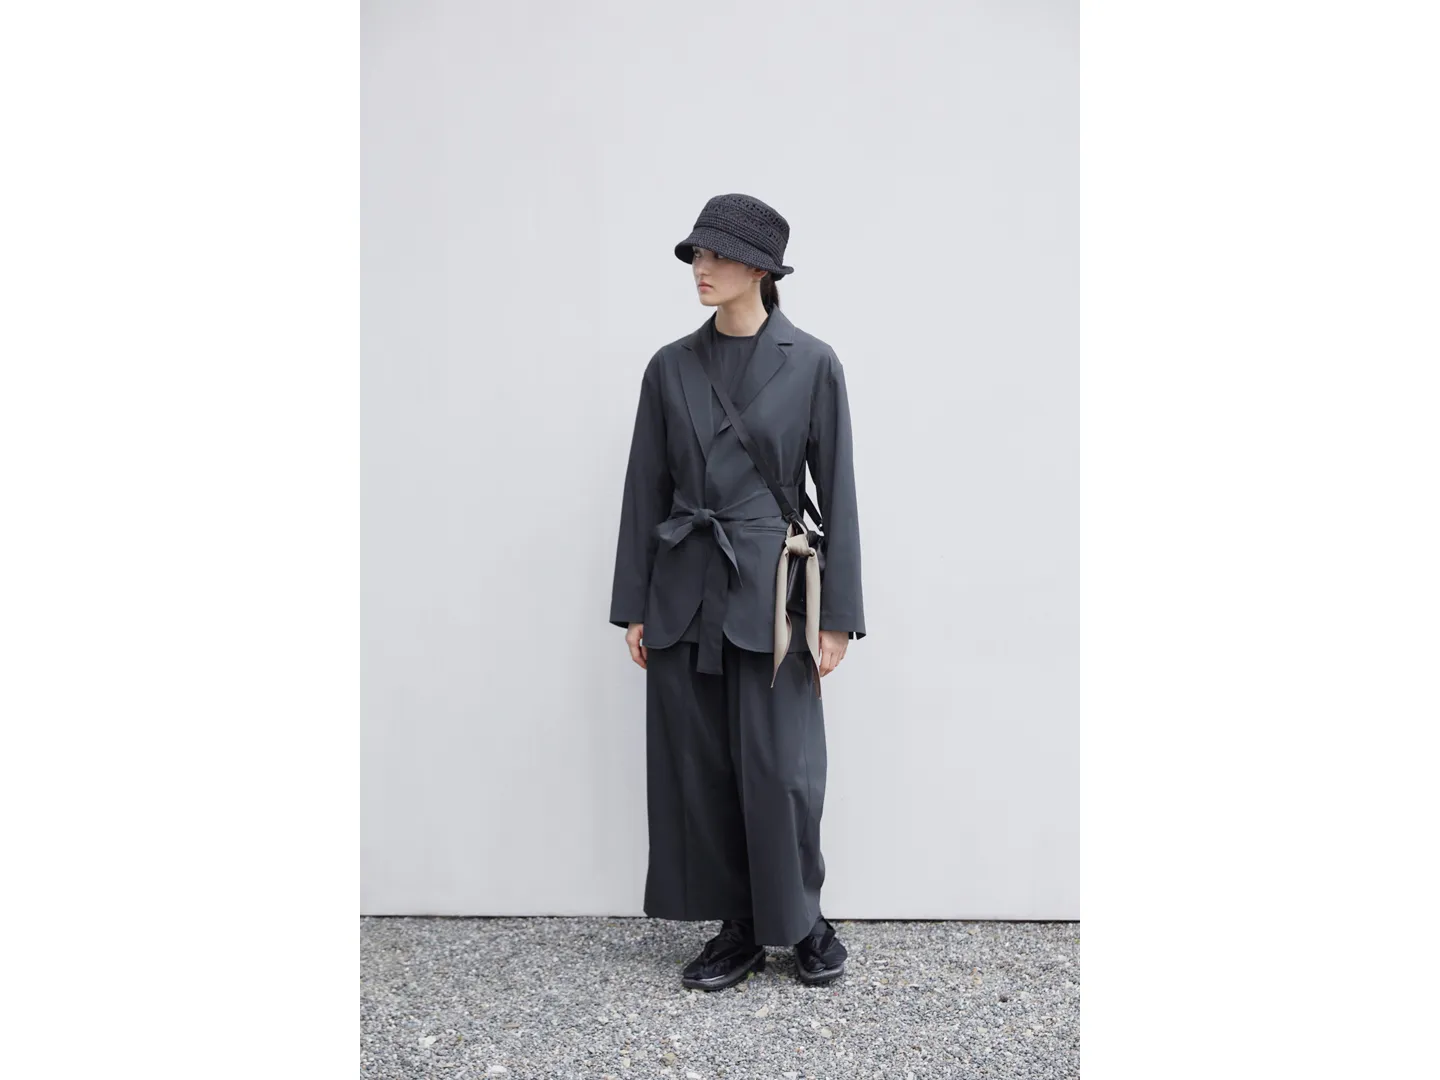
(832, 649)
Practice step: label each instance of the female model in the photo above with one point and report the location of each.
(735, 732)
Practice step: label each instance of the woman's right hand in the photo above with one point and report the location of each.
(633, 637)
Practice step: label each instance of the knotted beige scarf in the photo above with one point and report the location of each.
(797, 546)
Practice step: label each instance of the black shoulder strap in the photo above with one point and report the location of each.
(761, 465)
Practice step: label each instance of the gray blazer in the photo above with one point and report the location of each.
(691, 490)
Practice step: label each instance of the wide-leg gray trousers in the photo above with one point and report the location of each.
(736, 785)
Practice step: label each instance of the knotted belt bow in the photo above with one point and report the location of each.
(797, 546)
(684, 519)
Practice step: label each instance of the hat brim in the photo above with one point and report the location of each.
(732, 248)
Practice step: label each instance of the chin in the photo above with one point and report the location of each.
(709, 299)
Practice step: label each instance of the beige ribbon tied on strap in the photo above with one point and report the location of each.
(797, 546)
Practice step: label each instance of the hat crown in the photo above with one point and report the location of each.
(748, 219)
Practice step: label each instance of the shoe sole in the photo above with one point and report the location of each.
(720, 982)
(829, 975)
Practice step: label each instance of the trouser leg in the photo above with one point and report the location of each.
(778, 742)
(698, 867)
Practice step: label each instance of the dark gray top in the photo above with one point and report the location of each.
(728, 353)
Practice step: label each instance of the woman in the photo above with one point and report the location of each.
(735, 733)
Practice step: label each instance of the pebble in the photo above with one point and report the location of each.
(564, 998)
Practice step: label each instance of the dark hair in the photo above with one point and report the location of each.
(769, 292)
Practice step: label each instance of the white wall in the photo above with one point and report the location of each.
(527, 170)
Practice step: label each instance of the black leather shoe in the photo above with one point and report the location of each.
(726, 959)
(820, 957)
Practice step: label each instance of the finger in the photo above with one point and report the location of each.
(644, 656)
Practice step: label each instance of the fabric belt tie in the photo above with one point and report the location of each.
(678, 526)
(685, 519)
(797, 546)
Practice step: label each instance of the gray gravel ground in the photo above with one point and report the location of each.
(591, 998)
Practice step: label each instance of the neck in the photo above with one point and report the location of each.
(742, 316)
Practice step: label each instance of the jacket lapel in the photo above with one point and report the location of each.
(697, 388)
(767, 360)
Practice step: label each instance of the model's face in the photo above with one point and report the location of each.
(719, 280)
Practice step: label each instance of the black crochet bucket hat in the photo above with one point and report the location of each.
(743, 228)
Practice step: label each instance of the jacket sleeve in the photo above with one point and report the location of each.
(645, 504)
(829, 453)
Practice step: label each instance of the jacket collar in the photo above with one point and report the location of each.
(769, 355)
